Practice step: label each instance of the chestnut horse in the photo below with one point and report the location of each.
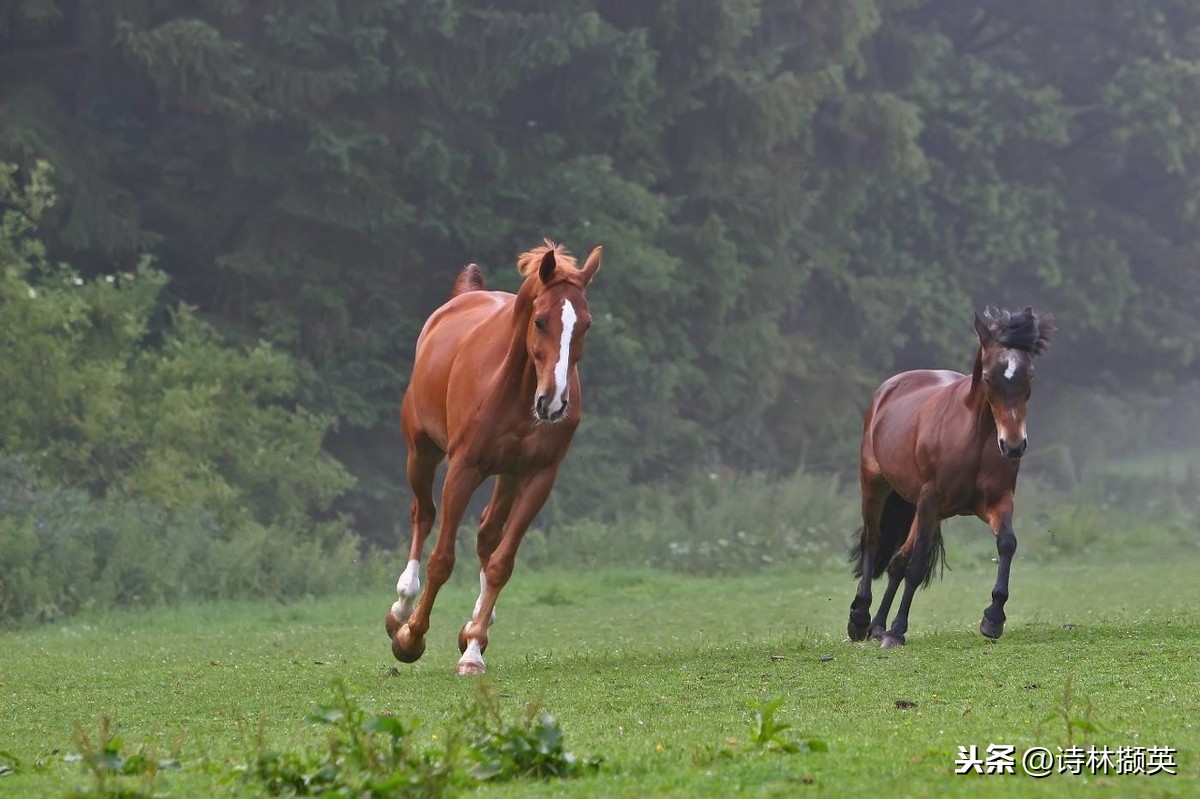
(938, 444)
(494, 390)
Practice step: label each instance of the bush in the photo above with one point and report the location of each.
(186, 466)
(62, 551)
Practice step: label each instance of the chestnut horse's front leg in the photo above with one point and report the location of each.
(408, 642)
(999, 518)
(531, 493)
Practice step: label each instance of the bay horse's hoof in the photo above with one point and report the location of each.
(877, 633)
(855, 632)
(991, 629)
(407, 647)
(888, 641)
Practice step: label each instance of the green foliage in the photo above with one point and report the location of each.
(377, 755)
(797, 198)
(766, 732)
(532, 747)
(365, 755)
(104, 761)
(143, 457)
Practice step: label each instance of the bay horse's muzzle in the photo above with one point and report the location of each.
(1013, 452)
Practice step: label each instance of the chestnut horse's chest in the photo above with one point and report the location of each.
(517, 445)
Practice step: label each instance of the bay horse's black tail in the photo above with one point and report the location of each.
(894, 524)
(469, 279)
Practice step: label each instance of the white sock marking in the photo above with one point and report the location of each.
(479, 602)
(409, 584)
(473, 655)
(564, 357)
(407, 588)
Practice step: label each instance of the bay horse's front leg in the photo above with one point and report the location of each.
(531, 493)
(408, 642)
(999, 518)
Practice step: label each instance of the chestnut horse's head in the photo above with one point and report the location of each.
(1008, 343)
(558, 322)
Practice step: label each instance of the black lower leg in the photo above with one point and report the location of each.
(914, 575)
(895, 574)
(860, 608)
(992, 625)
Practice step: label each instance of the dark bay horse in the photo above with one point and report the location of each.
(938, 444)
(495, 391)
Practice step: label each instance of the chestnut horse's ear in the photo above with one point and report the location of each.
(983, 331)
(546, 270)
(592, 265)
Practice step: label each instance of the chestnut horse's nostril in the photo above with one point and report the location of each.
(542, 406)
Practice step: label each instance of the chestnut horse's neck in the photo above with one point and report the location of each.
(517, 369)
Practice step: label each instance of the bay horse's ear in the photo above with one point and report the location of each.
(546, 270)
(983, 331)
(592, 265)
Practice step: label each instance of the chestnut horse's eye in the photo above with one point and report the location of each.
(540, 324)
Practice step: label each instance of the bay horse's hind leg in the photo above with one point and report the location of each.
(919, 551)
(894, 528)
(491, 525)
(423, 459)
(530, 495)
(874, 492)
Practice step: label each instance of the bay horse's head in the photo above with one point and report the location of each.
(1008, 343)
(558, 322)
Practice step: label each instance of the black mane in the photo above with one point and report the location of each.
(1021, 330)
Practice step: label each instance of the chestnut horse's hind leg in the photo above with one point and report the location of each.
(491, 525)
(408, 641)
(999, 519)
(531, 494)
(423, 459)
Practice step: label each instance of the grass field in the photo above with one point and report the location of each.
(653, 672)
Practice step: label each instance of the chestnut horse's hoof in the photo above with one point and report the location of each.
(888, 641)
(391, 623)
(407, 647)
(470, 668)
(991, 629)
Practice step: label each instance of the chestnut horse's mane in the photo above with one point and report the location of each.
(528, 262)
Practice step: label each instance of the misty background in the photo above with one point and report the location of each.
(224, 223)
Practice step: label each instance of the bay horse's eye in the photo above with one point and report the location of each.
(540, 324)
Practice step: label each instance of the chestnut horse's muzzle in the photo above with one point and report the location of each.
(541, 409)
(1012, 452)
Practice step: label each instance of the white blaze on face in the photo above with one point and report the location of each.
(564, 358)
(1012, 367)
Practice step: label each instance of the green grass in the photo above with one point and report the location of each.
(652, 672)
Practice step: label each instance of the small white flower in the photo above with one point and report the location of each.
(32, 293)
(77, 281)
(110, 278)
